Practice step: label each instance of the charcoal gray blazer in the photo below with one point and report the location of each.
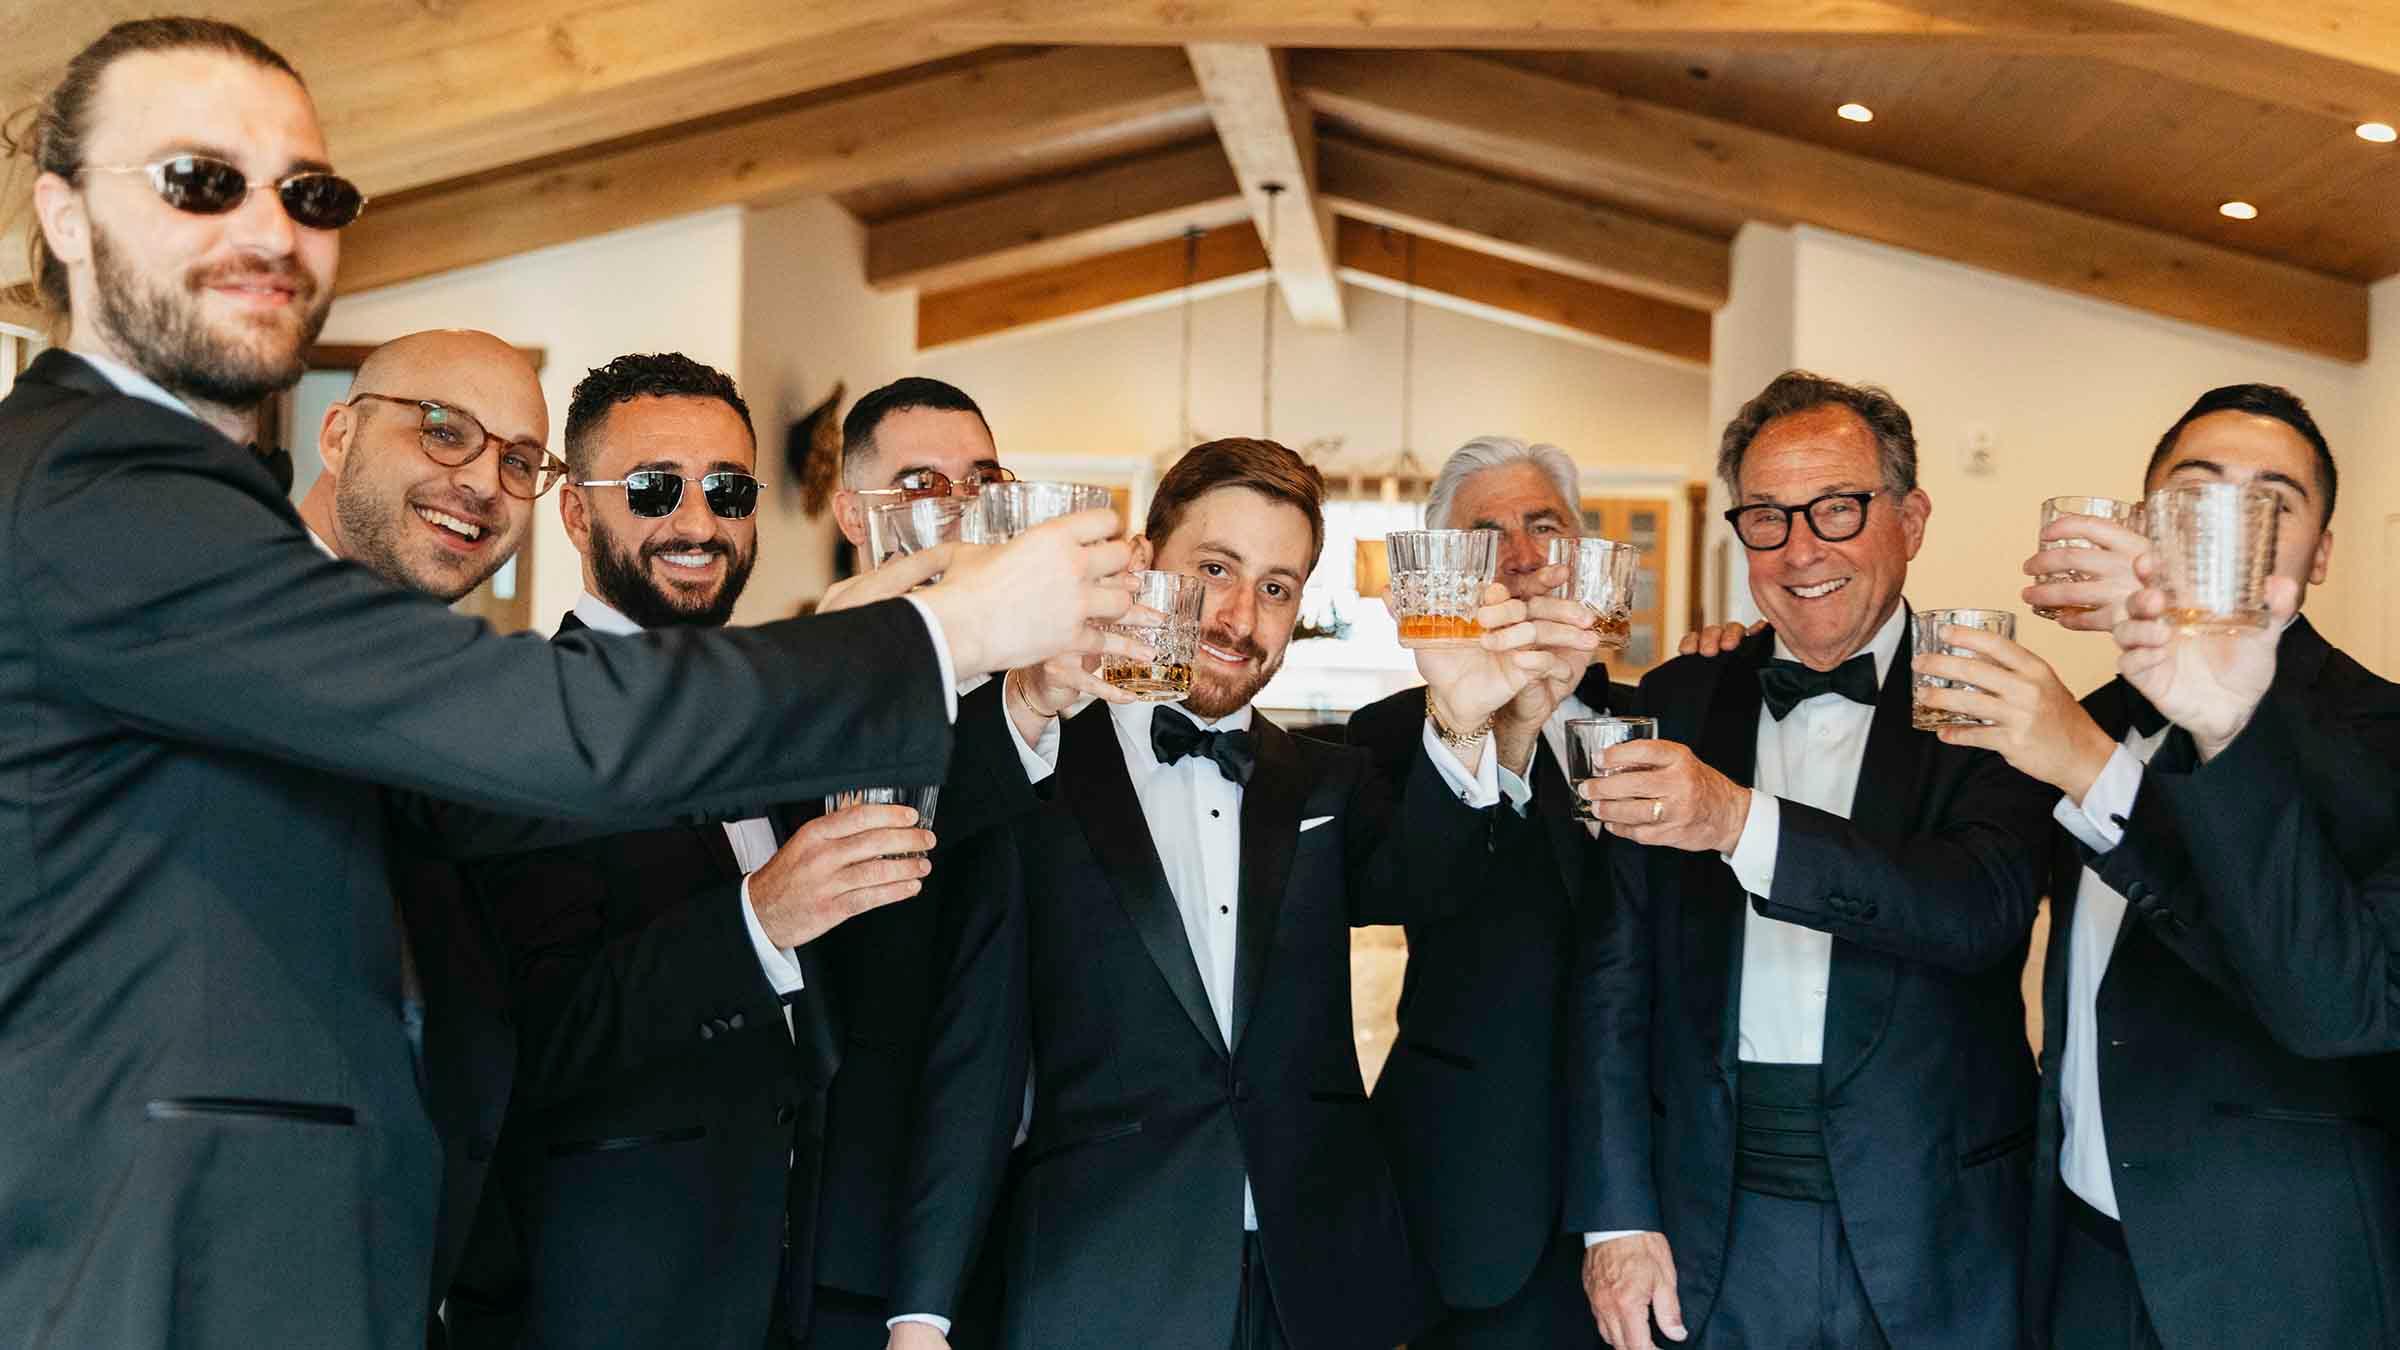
(214, 1134)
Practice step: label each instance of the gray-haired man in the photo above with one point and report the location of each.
(1471, 1101)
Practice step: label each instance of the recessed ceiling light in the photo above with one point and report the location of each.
(2238, 211)
(2379, 132)
(1855, 112)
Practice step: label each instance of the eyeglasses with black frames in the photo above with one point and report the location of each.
(1836, 516)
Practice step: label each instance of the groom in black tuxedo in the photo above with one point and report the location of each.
(1473, 1101)
(1202, 1169)
(1806, 1101)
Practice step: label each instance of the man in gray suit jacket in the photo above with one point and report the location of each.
(214, 1133)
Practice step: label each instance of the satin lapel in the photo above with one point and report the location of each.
(1553, 801)
(1270, 835)
(1885, 808)
(1713, 903)
(1091, 765)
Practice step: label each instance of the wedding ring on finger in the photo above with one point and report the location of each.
(1658, 809)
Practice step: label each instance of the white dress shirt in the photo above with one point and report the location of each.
(2091, 941)
(1195, 818)
(1812, 757)
(753, 840)
(134, 383)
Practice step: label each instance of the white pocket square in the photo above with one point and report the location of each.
(1313, 822)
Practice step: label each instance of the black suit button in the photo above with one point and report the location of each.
(785, 1115)
(2137, 892)
(2162, 916)
(1873, 909)
(1241, 1091)
(707, 1032)
(736, 1021)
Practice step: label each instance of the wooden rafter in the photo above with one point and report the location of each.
(1270, 139)
(1591, 140)
(820, 146)
(1134, 201)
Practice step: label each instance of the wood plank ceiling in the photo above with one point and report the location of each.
(1583, 162)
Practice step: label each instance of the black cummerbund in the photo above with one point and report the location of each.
(1779, 1133)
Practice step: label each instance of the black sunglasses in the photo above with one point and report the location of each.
(204, 186)
(656, 492)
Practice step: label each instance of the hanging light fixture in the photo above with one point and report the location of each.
(1191, 282)
(1266, 339)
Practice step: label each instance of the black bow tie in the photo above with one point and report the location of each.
(1174, 736)
(1786, 684)
(279, 464)
(1592, 690)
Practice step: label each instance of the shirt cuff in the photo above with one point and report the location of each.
(1041, 758)
(781, 968)
(1591, 1240)
(1478, 789)
(941, 653)
(940, 1324)
(1753, 856)
(2098, 824)
(1517, 791)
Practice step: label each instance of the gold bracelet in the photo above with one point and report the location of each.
(1460, 742)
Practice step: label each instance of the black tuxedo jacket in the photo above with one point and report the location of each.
(663, 1134)
(1125, 1226)
(215, 1134)
(1472, 1102)
(2247, 1021)
(1929, 890)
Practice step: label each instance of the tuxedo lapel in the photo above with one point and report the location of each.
(1727, 741)
(1270, 835)
(1885, 808)
(1091, 765)
(1554, 803)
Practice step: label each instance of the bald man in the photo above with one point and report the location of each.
(433, 462)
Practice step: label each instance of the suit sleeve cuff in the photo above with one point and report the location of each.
(941, 653)
(2099, 822)
(781, 968)
(1591, 1240)
(1478, 789)
(940, 1324)
(1753, 856)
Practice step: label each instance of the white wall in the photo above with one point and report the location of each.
(673, 286)
(2074, 393)
(1111, 388)
(2366, 541)
(808, 320)
(1750, 343)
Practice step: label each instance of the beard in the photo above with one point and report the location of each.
(1214, 695)
(373, 528)
(623, 576)
(167, 338)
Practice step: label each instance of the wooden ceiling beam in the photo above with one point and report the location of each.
(1140, 200)
(412, 93)
(2338, 60)
(954, 117)
(1517, 25)
(1524, 224)
(1593, 141)
(1270, 139)
(1480, 278)
(1065, 289)
(1439, 271)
